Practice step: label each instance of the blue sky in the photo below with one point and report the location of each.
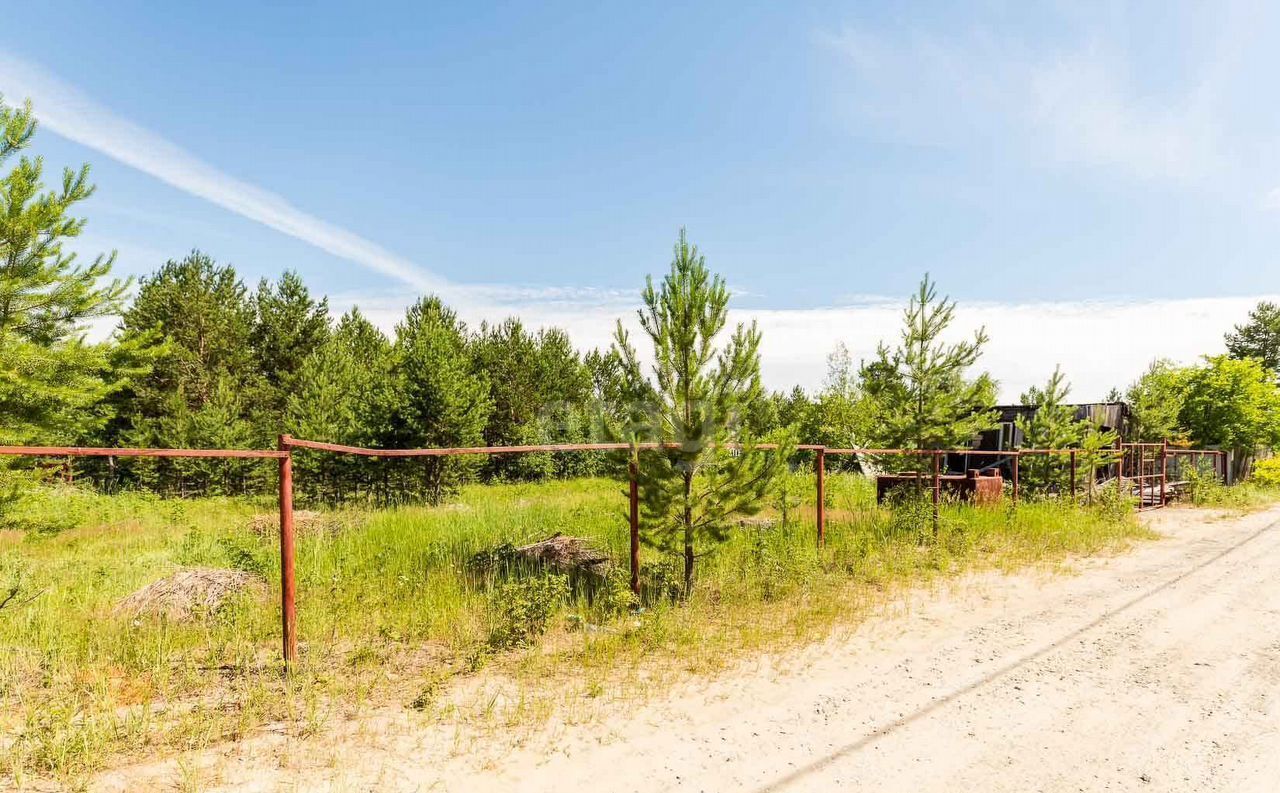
(1102, 159)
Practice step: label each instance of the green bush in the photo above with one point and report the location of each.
(520, 610)
(1267, 472)
(1205, 489)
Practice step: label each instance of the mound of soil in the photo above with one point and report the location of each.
(189, 594)
(566, 555)
(305, 522)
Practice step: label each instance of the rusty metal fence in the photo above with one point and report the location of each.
(1141, 472)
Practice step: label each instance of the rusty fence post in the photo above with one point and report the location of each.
(937, 488)
(1073, 475)
(288, 585)
(820, 474)
(634, 520)
(1164, 469)
(1120, 472)
(1017, 457)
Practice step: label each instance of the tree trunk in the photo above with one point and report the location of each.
(688, 535)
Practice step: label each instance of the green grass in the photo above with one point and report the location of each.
(391, 611)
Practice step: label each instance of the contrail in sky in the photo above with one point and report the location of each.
(68, 112)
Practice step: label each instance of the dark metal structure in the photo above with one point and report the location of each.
(1112, 416)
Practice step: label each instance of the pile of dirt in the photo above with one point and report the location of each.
(189, 594)
(306, 522)
(566, 555)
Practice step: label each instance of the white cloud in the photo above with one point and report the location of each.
(1271, 201)
(74, 116)
(1080, 103)
(1087, 112)
(1099, 344)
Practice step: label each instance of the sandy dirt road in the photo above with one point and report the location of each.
(1154, 670)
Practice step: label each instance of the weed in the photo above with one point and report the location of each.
(519, 610)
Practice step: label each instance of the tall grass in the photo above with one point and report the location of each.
(391, 607)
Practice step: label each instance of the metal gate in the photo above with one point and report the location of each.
(1142, 474)
(1153, 474)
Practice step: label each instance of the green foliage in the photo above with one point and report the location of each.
(520, 609)
(922, 397)
(539, 388)
(1112, 505)
(1156, 401)
(340, 386)
(697, 399)
(1052, 424)
(1259, 337)
(843, 416)
(794, 481)
(288, 325)
(1266, 472)
(437, 399)
(206, 317)
(1097, 451)
(218, 422)
(1232, 404)
(911, 514)
(52, 382)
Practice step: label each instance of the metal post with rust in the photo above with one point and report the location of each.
(634, 521)
(937, 487)
(1164, 469)
(1073, 474)
(1017, 456)
(288, 585)
(820, 473)
(1120, 472)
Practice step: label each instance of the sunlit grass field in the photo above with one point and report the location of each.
(393, 608)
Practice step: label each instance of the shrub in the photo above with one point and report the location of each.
(615, 596)
(1267, 472)
(519, 610)
(1112, 505)
(912, 513)
(1204, 489)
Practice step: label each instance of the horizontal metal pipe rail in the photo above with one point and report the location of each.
(361, 451)
(104, 451)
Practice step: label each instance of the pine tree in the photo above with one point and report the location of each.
(202, 390)
(921, 395)
(52, 381)
(696, 400)
(216, 422)
(1097, 451)
(536, 381)
(338, 391)
(1259, 338)
(438, 399)
(1050, 424)
(288, 325)
(203, 312)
